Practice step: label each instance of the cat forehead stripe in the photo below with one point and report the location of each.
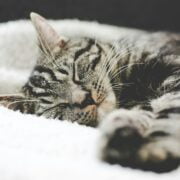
(83, 50)
(98, 58)
(43, 69)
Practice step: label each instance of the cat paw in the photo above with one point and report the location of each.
(128, 148)
(120, 139)
(125, 144)
(121, 147)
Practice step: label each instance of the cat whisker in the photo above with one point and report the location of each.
(108, 61)
(14, 94)
(51, 58)
(15, 102)
(55, 106)
(122, 69)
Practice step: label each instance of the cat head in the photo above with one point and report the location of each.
(70, 80)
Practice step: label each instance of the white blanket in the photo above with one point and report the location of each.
(35, 148)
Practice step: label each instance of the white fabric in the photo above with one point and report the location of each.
(35, 148)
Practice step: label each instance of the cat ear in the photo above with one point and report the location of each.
(48, 37)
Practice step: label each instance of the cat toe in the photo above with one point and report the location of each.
(159, 156)
(121, 146)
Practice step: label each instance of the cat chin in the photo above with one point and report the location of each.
(107, 106)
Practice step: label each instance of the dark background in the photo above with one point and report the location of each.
(144, 14)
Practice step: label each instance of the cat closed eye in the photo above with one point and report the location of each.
(39, 81)
(63, 71)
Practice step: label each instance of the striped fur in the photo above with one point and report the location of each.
(131, 87)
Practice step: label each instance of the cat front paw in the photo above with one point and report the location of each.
(121, 147)
(124, 142)
(121, 138)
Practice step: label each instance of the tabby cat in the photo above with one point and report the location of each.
(131, 88)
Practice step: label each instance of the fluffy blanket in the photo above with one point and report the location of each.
(37, 148)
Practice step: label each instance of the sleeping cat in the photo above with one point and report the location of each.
(130, 88)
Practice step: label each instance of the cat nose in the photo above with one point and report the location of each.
(82, 97)
(88, 100)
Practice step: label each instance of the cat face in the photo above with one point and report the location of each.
(70, 80)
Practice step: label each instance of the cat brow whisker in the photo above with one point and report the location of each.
(51, 58)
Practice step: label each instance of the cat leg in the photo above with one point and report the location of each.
(135, 138)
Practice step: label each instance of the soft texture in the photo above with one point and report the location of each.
(37, 148)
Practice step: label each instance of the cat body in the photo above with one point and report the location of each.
(129, 87)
